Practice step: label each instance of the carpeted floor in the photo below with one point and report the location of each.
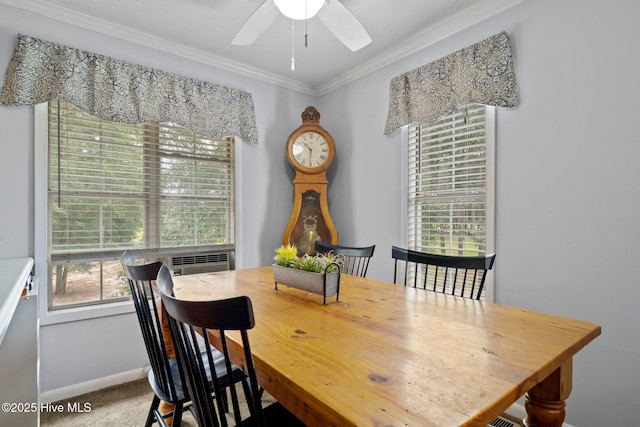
(124, 405)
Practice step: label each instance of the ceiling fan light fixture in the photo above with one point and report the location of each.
(299, 9)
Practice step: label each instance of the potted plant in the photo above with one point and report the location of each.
(319, 274)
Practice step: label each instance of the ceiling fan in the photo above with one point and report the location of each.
(338, 19)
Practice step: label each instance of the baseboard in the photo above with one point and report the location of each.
(93, 385)
(517, 411)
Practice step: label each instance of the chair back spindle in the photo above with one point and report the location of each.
(456, 275)
(356, 259)
(195, 327)
(164, 378)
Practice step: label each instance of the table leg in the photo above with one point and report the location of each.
(168, 344)
(165, 408)
(545, 402)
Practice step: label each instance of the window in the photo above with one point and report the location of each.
(450, 183)
(155, 188)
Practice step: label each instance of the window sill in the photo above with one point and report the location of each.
(85, 313)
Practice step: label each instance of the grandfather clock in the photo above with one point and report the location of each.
(310, 150)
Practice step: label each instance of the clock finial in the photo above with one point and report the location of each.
(310, 114)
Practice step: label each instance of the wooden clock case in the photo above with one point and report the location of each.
(310, 218)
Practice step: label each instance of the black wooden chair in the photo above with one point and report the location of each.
(456, 275)
(356, 260)
(164, 377)
(190, 320)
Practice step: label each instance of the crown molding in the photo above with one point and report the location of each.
(131, 35)
(477, 12)
(474, 14)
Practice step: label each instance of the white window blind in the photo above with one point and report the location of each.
(447, 203)
(120, 186)
(155, 188)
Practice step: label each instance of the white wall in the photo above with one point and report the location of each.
(568, 198)
(78, 352)
(567, 193)
(568, 212)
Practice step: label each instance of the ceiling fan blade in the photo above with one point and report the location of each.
(257, 24)
(344, 25)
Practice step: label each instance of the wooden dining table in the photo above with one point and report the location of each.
(390, 355)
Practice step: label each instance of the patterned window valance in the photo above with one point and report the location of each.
(482, 73)
(40, 71)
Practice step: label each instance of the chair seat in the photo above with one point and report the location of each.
(182, 395)
(164, 376)
(190, 319)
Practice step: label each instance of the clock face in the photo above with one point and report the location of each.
(310, 149)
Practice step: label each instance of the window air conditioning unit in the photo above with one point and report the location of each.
(201, 263)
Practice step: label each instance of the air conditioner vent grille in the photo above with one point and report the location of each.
(202, 263)
(199, 259)
(503, 422)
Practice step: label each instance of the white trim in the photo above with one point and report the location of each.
(41, 240)
(83, 313)
(490, 185)
(164, 45)
(238, 144)
(516, 410)
(404, 184)
(41, 168)
(92, 385)
(477, 12)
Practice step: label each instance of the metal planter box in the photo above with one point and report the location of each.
(325, 284)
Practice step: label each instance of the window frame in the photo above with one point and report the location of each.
(490, 158)
(41, 241)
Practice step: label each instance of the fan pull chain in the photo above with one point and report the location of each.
(293, 59)
(306, 22)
